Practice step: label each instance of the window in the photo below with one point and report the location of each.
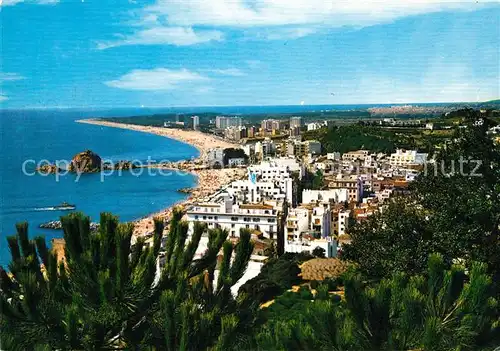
(247, 226)
(195, 217)
(234, 218)
(215, 217)
(210, 217)
(233, 225)
(204, 217)
(256, 219)
(270, 220)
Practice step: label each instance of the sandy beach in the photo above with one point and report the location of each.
(209, 180)
(199, 140)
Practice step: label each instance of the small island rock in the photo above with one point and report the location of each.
(86, 162)
(48, 168)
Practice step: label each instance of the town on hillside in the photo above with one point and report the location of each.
(301, 196)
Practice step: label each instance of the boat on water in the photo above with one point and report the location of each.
(65, 207)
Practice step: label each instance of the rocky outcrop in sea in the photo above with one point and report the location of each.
(86, 162)
(57, 225)
(48, 169)
(121, 165)
(185, 190)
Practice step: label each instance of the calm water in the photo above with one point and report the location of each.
(54, 135)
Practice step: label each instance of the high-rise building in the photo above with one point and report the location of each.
(295, 122)
(273, 125)
(196, 122)
(294, 131)
(223, 122)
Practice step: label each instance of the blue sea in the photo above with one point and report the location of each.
(54, 135)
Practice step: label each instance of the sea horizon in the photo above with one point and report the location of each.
(273, 106)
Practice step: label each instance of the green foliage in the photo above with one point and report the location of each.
(109, 294)
(444, 309)
(275, 277)
(319, 252)
(314, 181)
(352, 137)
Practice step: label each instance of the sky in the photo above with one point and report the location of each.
(161, 53)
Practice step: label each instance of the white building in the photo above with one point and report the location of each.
(303, 148)
(277, 168)
(258, 218)
(332, 195)
(255, 191)
(334, 156)
(407, 157)
(310, 218)
(235, 161)
(295, 121)
(329, 245)
(297, 222)
(352, 183)
(215, 157)
(314, 126)
(321, 220)
(355, 155)
(196, 122)
(223, 122)
(341, 221)
(265, 148)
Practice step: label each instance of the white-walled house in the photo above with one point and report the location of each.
(259, 218)
(277, 168)
(329, 245)
(215, 157)
(407, 157)
(335, 195)
(235, 161)
(334, 156)
(258, 191)
(297, 222)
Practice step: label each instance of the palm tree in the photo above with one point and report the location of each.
(109, 294)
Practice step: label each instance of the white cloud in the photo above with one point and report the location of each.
(33, 2)
(289, 33)
(234, 72)
(7, 77)
(171, 22)
(155, 79)
(179, 36)
(3, 98)
(248, 13)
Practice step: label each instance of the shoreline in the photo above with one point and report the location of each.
(200, 141)
(208, 181)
